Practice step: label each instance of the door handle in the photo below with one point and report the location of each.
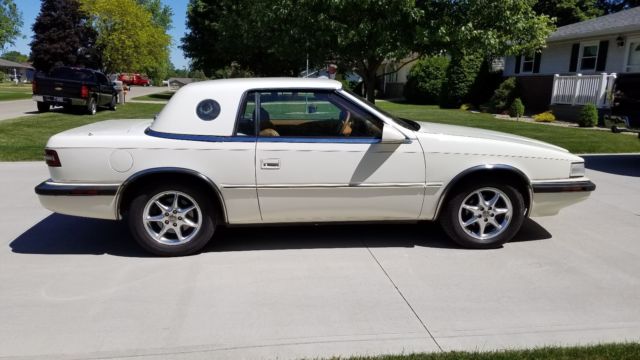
(270, 164)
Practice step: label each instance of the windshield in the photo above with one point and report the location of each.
(405, 123)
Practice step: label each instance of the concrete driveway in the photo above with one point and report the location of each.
(79, 288)
(18, 108)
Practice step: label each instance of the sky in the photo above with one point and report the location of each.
(31, 8)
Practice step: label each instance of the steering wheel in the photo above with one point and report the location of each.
(344, 127)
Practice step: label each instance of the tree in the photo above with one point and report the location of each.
(267, 37)
(128, 37)
(274, 37)
(160, 13)
(613, 6)
(15, 56)
(568, 11)
(62, 35)
(10, 22)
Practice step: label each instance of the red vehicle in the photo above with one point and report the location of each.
(134, 79)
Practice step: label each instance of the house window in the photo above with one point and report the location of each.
(527, 64)
(633, 57)
(588, 56)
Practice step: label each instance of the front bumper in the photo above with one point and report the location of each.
(549, 197)
(86, 200)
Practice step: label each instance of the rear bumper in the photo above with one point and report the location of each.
(60, 100)
(86, 200)
(549, 197)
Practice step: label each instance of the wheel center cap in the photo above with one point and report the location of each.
(173, 218)
(486, 214)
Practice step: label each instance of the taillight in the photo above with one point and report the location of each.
(34, 87)
(84, 91)
(51, 158)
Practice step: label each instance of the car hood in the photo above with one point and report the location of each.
(454, 130)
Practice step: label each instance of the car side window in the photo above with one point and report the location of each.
(102, 80)
(309, 113)
(246, 121)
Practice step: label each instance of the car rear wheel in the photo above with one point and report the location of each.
(172, 220)
(43, 106)
(484, 215)
(92, 106)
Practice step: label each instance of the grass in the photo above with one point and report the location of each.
(24, 138)
(10, 91)
(163, 96)
(628, 351)
(578, 141)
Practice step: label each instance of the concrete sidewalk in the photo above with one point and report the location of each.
(80, 288)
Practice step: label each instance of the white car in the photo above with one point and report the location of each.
(263, 151)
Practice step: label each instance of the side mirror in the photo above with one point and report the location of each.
(391, 136)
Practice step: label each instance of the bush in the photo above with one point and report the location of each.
(425, 80)
(504, 95)
(588, 116)
(461, 74)
(546, 116)
(517, 108)
(486, 82)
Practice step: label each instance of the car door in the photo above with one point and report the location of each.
(319, 157)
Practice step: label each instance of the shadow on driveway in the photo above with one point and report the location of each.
(627, 165)
(61, 234)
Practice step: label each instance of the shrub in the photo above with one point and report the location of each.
(517, 108)
(546, 116)
(466, 107)
(425, 79)
(461, 74)
(588, 116)
(486, 82)
(504, 95)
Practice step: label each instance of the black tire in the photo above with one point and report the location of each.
(43, 106)
(453, 214)
(169, 244)
(114, 103)
(615, 130)
(67, 108)
(92, 106)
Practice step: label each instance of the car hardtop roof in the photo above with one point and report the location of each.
(270, 83)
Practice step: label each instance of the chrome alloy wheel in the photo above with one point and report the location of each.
(485, 213)
(172, 218)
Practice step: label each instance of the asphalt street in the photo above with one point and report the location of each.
(80, 288)
(18, 108)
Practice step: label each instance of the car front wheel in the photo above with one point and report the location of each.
(483, 216)
(172, 220)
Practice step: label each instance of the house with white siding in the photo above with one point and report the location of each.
(580, 64)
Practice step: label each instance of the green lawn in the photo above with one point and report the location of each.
(163, 96)
(24, 138)
(575, 140)
(598, 352)
(10, 91)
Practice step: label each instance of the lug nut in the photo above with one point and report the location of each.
(174, 224)
(166, 214)
(179, 218)
(175, 211)
(166, 221)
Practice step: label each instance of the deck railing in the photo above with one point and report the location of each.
(583, 89)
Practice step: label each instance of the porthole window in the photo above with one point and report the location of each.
(208, 109)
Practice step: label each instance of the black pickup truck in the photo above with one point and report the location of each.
(74, 87)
